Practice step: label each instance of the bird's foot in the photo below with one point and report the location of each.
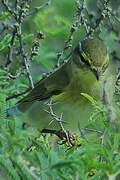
(65, 136)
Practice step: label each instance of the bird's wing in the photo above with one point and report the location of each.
(54, 84)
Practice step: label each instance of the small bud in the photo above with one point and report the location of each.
(59, 55)
(40, 35)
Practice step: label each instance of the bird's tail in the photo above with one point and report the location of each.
(13, 111)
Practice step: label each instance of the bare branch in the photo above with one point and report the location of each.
(10, 52)
(17, 95)
(25, 60)
(37, 9)
(60, 121)
(8, 9)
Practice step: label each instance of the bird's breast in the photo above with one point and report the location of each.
(83, 81)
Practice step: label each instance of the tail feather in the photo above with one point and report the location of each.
(13, 111)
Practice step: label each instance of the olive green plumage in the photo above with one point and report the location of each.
(84, 72)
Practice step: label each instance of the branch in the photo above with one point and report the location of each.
(25, 60)
(37, 9)
(10, 52)
(65, 134)
(8, 9)
(17, 95)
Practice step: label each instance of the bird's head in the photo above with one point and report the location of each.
(93, 53)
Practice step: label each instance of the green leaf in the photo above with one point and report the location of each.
(3, 71)
(4, 15)
(89, 98)
(5, 42)
(22, 169)
(7, 167)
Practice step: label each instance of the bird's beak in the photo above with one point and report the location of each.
(97, 73)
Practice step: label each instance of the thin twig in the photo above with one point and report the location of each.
(57, 119)
(17, 95)
(25, 60)
(10, 52)
(82, 133)
(37, 9)
(93, 130)
(8, 9)
(73, 29)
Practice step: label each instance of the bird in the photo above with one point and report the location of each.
(56, 100)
